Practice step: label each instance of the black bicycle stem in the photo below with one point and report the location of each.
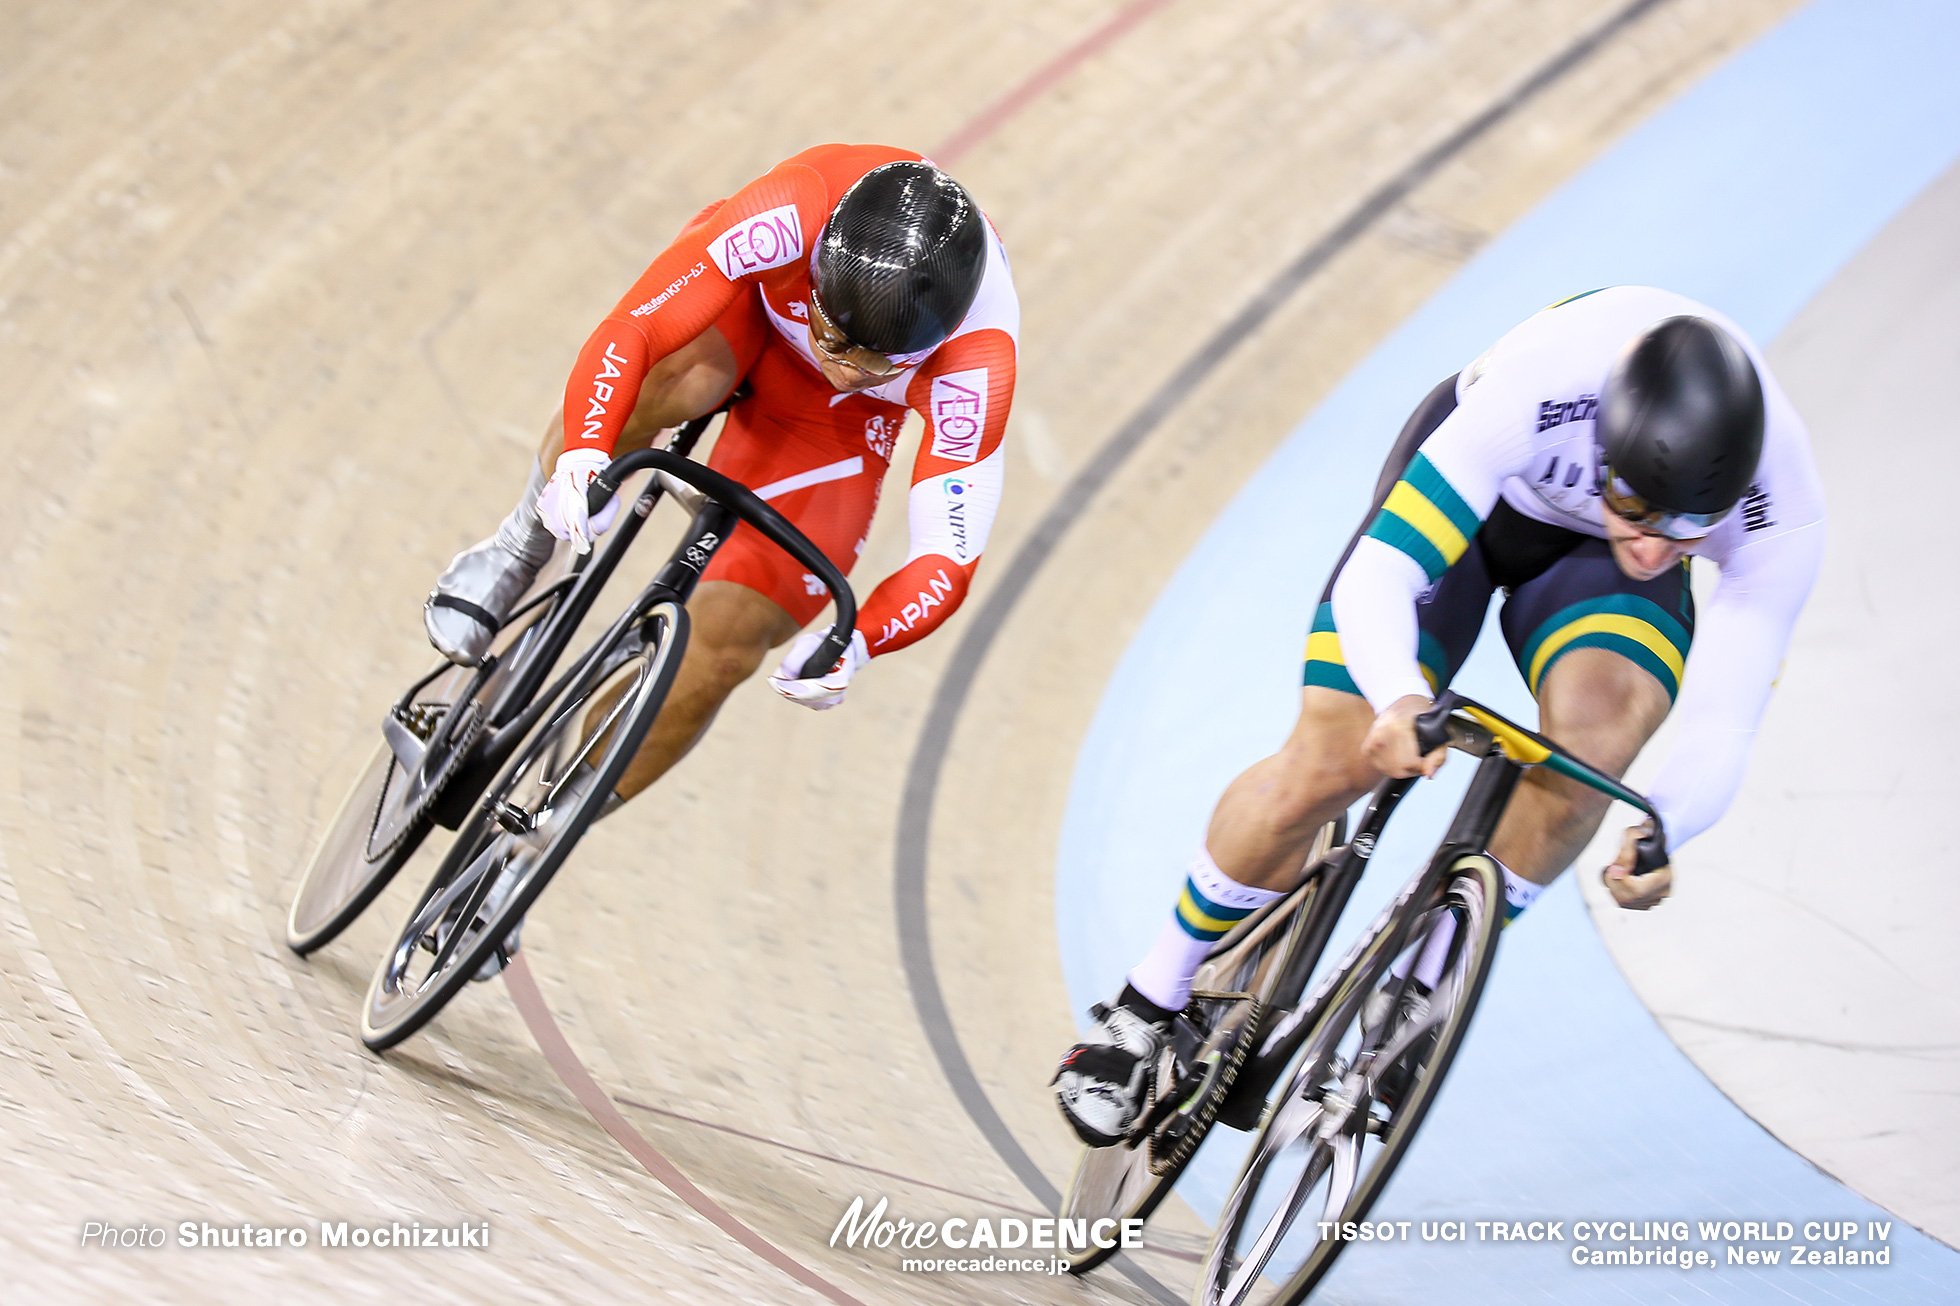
(742, 501)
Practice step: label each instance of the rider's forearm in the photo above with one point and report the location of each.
(913, 602)
(605, 385)
(1740, 642)
(675, 300)
(950, 516)
(964, 394)
(1375, 613)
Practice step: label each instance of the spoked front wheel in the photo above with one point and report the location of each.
(1209, 1042)
(527, 824)
(1368, 1074)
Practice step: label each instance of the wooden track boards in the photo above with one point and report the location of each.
(284, 295)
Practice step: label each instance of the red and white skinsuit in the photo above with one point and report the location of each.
(819, 456)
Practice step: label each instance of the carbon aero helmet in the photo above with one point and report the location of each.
(1680, 427)
(900, 260)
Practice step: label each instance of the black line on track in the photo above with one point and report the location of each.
(949, 699)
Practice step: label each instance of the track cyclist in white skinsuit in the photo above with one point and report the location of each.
(1576, 466)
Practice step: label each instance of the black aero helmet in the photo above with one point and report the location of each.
(900, 260)
(1681, 422)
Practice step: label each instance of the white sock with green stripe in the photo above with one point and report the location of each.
(1210, 905)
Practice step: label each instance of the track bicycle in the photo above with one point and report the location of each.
(1209, 1071)
(518, 767)
(445, 737)
(1369, 1046)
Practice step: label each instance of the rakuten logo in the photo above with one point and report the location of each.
(767, 240)
(674, 287)
(959, 414)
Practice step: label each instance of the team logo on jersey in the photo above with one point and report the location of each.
(959, 414)
(767, 240)
(958, 491)
(879, 435)
(1755, 508)
(674, 287)
(1554, 412)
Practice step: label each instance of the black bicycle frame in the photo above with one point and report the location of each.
(729, 504)
(1470, 832)
(1309, 936)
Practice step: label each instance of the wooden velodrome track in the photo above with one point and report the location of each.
(286, 292)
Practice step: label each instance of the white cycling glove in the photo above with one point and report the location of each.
(562, 505)
(825, 691)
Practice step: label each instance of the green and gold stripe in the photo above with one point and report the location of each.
(1325, 665)
(1426, 518)
(1204, 919)
(1569, 298)
(1636, 628)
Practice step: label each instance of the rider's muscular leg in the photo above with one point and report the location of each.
(1258, 839)
(732, 630)
(1603, 708)
(1265, 822)
(687, 383)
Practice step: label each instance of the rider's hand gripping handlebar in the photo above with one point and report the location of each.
(1650, 850)
(1456, 720)
(1433, 726)
(743, 502)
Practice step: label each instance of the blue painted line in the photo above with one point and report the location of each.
(1568, 1103)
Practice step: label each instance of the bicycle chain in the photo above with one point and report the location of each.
(1228, 1074)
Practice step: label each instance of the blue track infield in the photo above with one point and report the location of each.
(1568, 1102)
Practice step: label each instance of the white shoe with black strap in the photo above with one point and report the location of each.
(1106, 1081)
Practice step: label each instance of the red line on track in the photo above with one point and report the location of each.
(989, 120)
(825, 1156)
(558, 1052)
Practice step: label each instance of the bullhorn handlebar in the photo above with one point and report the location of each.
(742, 501)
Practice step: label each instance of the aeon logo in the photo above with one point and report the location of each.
(959, 414)
(767, 240)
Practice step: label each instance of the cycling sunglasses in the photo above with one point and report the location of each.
(1627, 505)
(833, 344)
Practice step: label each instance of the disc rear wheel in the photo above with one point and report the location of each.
(385, 816)
(528, 822)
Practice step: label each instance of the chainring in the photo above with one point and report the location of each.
(1172, 1144)
(460, 741)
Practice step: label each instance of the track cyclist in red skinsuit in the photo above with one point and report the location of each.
(846, 285)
